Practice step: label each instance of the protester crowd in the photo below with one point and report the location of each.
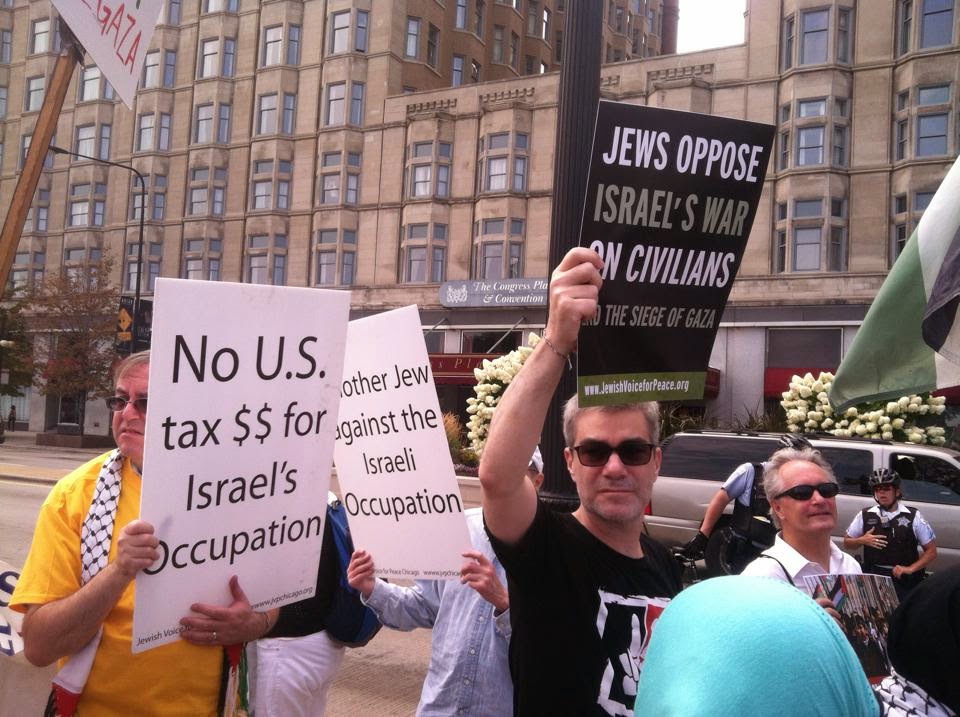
(554, 614)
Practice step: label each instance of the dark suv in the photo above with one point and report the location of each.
(695, 464)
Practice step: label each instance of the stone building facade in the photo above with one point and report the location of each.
(393, 149)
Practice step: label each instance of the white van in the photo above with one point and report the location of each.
(696, 463)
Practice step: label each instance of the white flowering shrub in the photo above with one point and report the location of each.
(493, 377)
(910, 418)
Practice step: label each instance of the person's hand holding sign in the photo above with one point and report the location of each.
(360, 572)
(574, 289)
(231, 625)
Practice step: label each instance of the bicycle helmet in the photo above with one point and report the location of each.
(884, 476)
(792, 440)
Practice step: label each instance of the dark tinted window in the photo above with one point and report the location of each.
(926, 478)
(712, 457)
(852, 468)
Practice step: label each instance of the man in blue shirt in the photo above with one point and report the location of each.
(469, 672)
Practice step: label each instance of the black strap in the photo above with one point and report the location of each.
(789, 579)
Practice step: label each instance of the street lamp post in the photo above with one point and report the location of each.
(143, 209)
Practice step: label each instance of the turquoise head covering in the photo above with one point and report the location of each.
(750, 646)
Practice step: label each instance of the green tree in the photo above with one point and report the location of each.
(74, 316)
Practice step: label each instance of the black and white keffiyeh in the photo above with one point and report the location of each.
(899, 697)
(97, 531)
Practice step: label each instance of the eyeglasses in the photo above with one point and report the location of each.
(118, 403)
(631, 453)
(805, 492)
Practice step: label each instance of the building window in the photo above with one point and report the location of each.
(813, 42)
(267, 114)
(34, 95)
(3, 102)
(336, 176)
(207, 191)
(356, 102)
(931, 135)
(460, 20)
(145, 125)
(151, 259)
(266, 260)
(173, 12)
(433, 45)
(499, 248)
(500, 156)
(360, 39)
(412, 45)
(40, 36)
(220, 6)
(203, 124)
(936, 23)
(150, 77)
(786, 58)
(844, 33)
(457, 71)
(335, 250)
(497, 43)
(170, 68)
(289, 118)
(154, 192)
(479, 12)
(429, 169)
(86, 140)
(223, 124)
(270, 189)
(809, 146)
(228, 64)
(336, 94)
(339, 32)
(293, 44)
(202, 259)
(209, 52)
(904, 25)
(839, 146)
(87, 204)
(425, 252)
(272, 46)
(6, 46)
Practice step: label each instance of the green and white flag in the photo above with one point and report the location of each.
(910, 338)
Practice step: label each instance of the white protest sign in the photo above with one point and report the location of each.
(393, 464)
(244, 389)
(116, 34)
(10, 641)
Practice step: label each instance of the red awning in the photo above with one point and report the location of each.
(457, 368)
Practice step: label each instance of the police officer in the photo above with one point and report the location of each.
(892, 534)
(751, 530)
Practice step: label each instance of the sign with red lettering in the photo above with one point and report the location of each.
(116, 34)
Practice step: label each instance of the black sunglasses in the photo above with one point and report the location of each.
(118, 403)
(632, 453)
(805, 492)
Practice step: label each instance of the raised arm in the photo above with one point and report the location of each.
(62, 627)
(509, 500)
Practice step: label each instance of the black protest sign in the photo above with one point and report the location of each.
(670, 201)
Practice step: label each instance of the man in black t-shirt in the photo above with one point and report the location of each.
(585, 589)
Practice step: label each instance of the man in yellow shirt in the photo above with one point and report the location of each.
(77, 587)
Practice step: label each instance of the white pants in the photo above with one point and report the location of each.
(294, 675)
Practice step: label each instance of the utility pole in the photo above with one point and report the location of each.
(577, 113)
(70, 55)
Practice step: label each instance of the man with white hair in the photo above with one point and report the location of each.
(802, 489)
